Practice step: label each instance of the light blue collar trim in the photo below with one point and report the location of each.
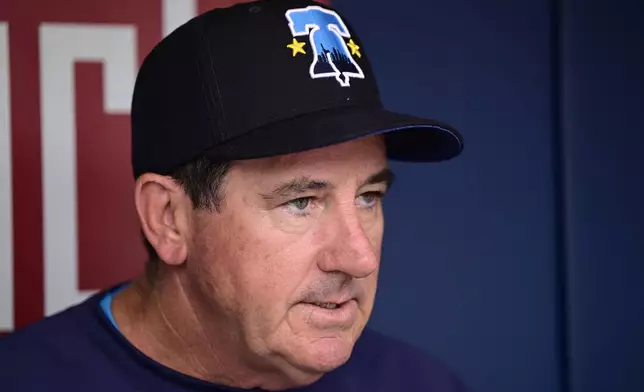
(106, 305)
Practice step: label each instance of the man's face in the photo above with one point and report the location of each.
(291, 260)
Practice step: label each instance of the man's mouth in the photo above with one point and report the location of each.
(326, 305)
(331, 305)
(331, 314)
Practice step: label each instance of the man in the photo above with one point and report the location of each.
(259, 148)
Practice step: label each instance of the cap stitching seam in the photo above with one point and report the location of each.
(219, 96)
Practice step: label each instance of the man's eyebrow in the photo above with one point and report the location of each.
(306, 184)
(298, 185)
(385, 175)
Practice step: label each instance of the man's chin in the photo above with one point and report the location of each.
(324, 355)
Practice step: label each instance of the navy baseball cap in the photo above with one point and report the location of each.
(267, 78)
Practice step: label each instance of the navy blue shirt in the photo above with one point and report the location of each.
(80, 349)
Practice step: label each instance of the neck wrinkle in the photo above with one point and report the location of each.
(163, 321)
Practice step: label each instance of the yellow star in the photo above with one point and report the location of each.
(355, 49)
(297, 47)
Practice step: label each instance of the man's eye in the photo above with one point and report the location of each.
(369, 199)
(300, 203)
(299, 206)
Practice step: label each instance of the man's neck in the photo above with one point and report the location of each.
(162, 321)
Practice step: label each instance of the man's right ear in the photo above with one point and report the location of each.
(164, 214)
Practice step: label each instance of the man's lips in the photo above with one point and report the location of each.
(329, 303)
(330, 314)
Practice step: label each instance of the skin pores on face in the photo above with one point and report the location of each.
(290, 263)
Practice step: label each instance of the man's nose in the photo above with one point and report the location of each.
(350, 251)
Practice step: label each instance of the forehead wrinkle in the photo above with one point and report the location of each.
(323, 165)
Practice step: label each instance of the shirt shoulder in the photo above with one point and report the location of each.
(397, 365)
(65, 351)
(49, 334)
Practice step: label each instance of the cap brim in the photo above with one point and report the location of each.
(408, 138)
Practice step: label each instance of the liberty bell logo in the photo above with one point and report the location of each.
(332, 56)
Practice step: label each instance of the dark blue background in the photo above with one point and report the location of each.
(521, 263)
